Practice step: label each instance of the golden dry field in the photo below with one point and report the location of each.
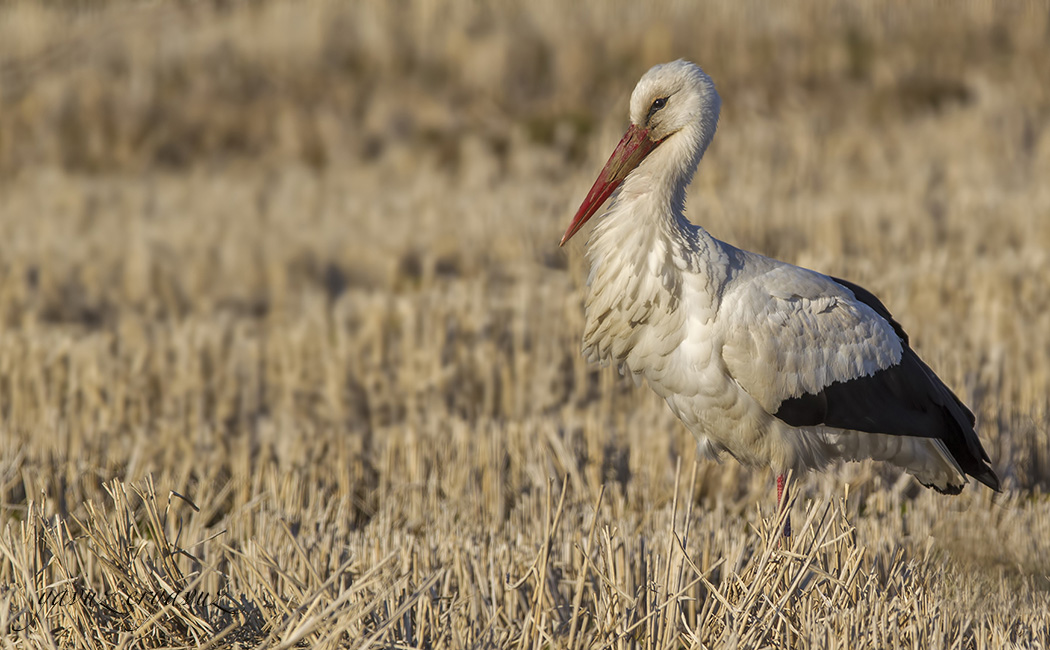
(289, 355)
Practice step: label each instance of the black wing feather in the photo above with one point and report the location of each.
(906, 399)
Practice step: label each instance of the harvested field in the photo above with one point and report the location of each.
(289, 355)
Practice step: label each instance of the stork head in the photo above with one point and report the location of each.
(673, 103)
(674, 96)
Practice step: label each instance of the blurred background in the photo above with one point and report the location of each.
(305, 253)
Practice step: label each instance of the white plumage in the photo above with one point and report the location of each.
(775, 364)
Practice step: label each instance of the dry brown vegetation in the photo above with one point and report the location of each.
(289, 354)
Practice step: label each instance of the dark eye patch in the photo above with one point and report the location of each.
(657, 105)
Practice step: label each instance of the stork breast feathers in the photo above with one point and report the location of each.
(797, 331)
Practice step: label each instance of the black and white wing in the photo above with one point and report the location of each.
(815, 350)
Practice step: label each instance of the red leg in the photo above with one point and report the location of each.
(782, 498)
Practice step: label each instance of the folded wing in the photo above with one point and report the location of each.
(815, 350)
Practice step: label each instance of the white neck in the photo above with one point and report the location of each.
(646, 221)
(643, 251)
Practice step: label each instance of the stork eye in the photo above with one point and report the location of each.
(657, 105)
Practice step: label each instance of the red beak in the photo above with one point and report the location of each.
(631, 151)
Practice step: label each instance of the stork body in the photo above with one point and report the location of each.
(776, 365)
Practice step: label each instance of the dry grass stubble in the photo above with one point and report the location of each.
(288, 354)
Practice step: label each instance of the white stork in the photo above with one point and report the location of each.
(775, 364)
